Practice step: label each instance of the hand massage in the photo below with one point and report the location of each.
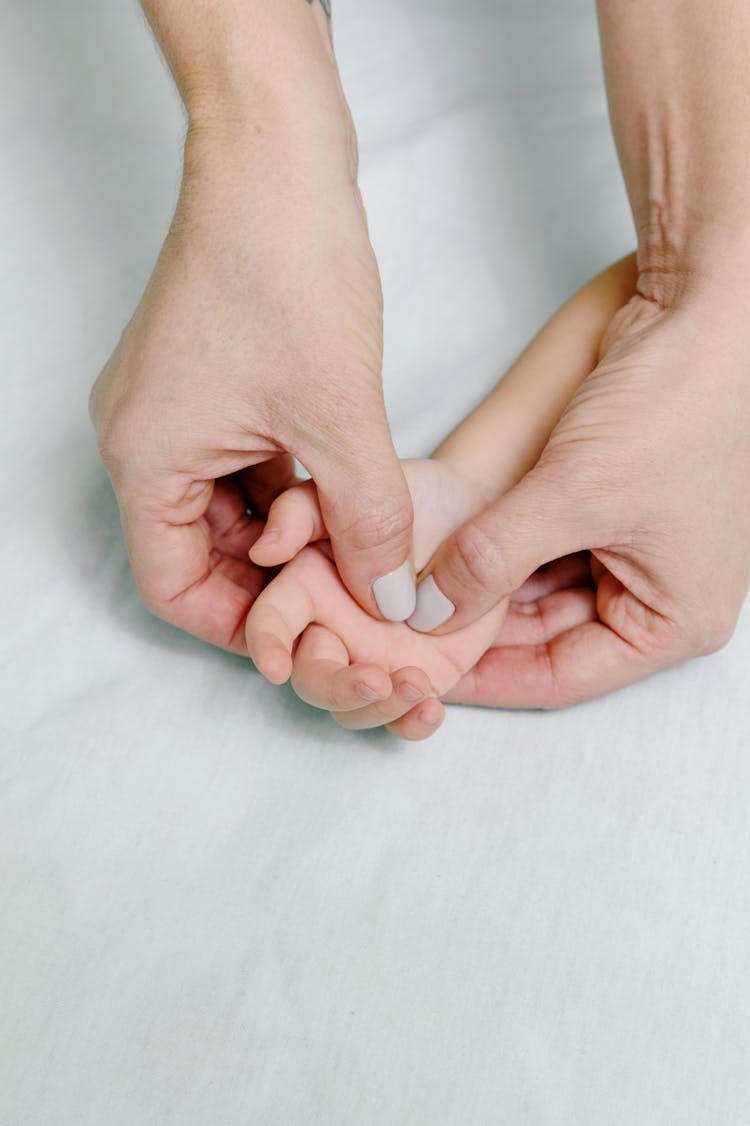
(562, 541)
(374, 708)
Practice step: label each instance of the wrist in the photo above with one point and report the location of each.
(678, 91)
(302, 130)
(469, 471)
(681, 261)
(265, 154)
(253, 71)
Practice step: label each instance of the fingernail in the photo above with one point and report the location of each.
(268, 535)
(433, 608)
(409, 692)
(368, 693)
(396, 593)
(428, 720)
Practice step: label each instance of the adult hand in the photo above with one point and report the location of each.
(259, 335)
(647, 470)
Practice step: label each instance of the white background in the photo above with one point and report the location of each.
(216, 907)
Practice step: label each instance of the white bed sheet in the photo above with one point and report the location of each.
(216, 907)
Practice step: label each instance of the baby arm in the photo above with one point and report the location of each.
(306, 624)
(504, 436)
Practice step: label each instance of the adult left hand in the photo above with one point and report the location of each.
(646, 474)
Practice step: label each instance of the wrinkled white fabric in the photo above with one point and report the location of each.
(216, 907)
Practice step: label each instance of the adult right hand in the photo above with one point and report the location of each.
(259, 335)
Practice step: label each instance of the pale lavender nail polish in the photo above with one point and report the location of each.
(433, 608)
(396, 593)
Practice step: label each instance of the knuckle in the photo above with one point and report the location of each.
(326, 415)
(154, 605)
(114, 440)
(152, 598)
(713, 632)
(384, 522)
(482, 559)
(110, 449)
(595, 482)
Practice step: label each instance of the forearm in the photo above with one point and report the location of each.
(258, 70)
(529, 400)
(678, 84)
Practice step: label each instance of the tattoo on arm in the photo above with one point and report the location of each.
(325, 5)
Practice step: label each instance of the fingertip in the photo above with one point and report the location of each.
(355, 687)
(294, 520)
(370, 682)
(412, 684)
(395, 593)
(421, 722)
(433, 608)
(270, 658)
(430, 715)
(278, 668)
(427, 712)
(369, 516)
(268, 550)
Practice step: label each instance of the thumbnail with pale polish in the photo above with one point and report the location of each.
(433, 608)
(396, 593)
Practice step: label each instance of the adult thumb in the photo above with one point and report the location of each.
(368, 513)
(495, 552)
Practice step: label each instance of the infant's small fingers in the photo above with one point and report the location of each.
(294, 520)
(283, 610)
(263, 482)
(270, 549)
(421, 722)
(269, 633)
(323, 677)
(410, 686)
(270, 657)
(341, 689)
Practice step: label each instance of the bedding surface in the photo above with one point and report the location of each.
(218, 908)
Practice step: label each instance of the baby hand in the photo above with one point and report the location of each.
(306, 624)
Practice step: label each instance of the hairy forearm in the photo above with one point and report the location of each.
(529, 400)
(678, 84)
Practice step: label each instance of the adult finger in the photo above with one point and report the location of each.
(233, 528)
(560, 574)
(490, 556)
(368, 512)
(534, 623)
(587, 661)
(190, 559)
